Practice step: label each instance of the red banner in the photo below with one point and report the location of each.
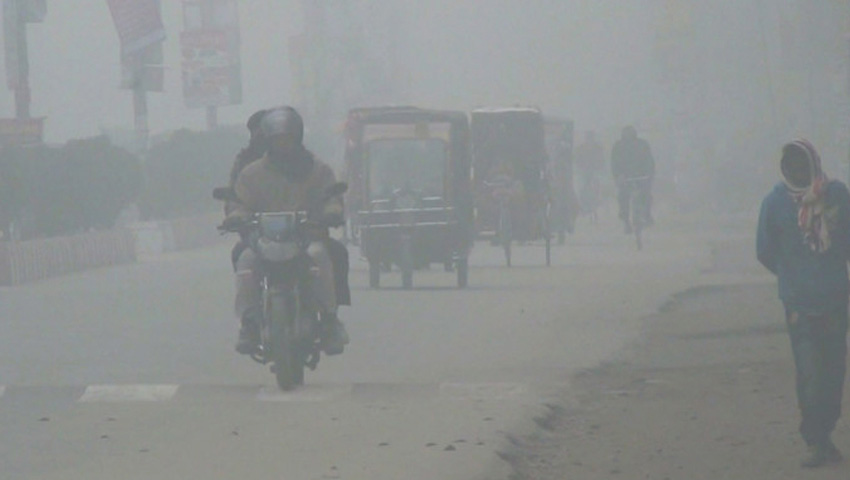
(139, 24)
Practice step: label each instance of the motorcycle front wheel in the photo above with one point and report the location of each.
(287, 361)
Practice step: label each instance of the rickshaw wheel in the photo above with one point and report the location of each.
(374, 274)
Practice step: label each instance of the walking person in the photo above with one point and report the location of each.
(804, 239)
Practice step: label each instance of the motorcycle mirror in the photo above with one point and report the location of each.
(224, 194)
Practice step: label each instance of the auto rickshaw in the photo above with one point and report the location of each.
(559, 148)
(410, 201)
(510, 177)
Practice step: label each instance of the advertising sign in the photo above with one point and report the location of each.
(139, 24)
(210, 63)
(33, 11)
(21, 132)
(11, 24)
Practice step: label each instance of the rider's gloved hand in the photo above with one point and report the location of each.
(233, 222)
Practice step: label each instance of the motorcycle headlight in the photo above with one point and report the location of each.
(277, 251)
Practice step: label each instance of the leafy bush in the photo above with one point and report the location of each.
(181, 172)
(50, 191)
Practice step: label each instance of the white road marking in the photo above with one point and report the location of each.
(306, 394)
(128, 393)
(483, 391)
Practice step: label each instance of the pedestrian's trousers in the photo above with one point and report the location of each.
(819, 343)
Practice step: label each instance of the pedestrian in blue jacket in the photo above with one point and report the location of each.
(804, 239)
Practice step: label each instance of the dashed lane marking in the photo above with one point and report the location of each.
(310, 393)
(128, 393)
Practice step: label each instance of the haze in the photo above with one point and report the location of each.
(591, 60)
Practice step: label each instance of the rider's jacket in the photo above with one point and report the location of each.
(631, 158)
(243, 159)
(266, 186)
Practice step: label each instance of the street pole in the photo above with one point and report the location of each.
(22, 91)
(140, 104)
(212, 118)
(761, 12)
(207, 12)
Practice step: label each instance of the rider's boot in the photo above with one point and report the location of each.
(334, 335)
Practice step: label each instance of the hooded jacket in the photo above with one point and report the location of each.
(631, 157)
(265, 186)
(810, 282)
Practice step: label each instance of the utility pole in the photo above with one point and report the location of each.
(140, 104)
(141, 33)
(23, 96)
(207, 9)
(17, 14)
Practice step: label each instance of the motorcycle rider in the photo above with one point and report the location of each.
(632, 158)
(287, 178)
(254, 151)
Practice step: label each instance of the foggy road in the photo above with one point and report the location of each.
(129, 372)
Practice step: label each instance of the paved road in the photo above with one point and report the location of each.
(129, 372)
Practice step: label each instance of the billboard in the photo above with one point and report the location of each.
(11, 27)
(21, 132)
(32, 11)
(210, 60)
(141, 32)
(139, 24)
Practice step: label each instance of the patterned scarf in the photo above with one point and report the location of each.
(814, 217)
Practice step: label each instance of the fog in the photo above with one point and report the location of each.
(676, 68)
(712, 85)
(100, 315)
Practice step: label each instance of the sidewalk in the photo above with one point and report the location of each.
(708, 393)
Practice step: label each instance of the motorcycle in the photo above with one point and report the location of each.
(290, 323)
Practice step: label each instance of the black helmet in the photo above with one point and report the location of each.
(283, 120)
(254, 120)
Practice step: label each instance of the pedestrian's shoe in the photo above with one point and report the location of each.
(816, 456)
(249, 337)
(334, 335)
(833, 454)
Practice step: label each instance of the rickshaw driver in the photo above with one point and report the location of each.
(288, 178)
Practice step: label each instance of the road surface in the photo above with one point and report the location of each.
(129, 372)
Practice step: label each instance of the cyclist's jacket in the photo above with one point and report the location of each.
(632, 157)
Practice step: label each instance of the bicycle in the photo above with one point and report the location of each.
(638, 194)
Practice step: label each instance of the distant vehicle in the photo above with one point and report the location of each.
(510, 143)
(410, 203)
